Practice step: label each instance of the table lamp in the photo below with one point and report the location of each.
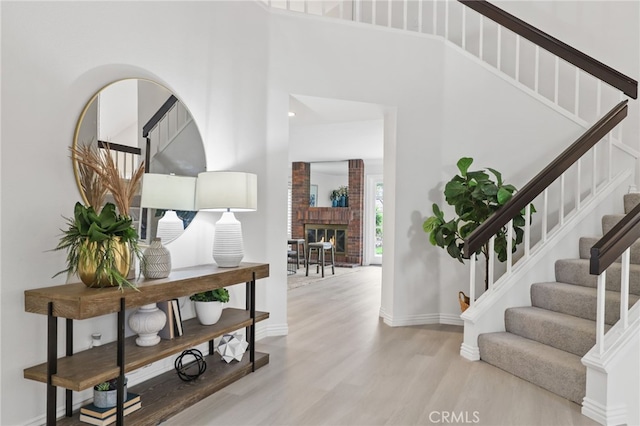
(160, 192)
(227, 192)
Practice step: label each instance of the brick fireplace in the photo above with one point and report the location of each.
(349, 219)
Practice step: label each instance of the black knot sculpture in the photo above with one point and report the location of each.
(192, 370)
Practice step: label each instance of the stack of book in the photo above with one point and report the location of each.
(173, 326)
(106, 416)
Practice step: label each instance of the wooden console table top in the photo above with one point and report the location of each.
(77, 301)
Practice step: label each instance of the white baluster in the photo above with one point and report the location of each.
(518, 41)
(527, 230)
(499, 47)
(472, 279)
(594, 168)
(435, 16)
(491, 257)
(598, 98)
(389, 13)
(556, 78)
(577, 93)
(545, 207)
(420, 25)
(578, 183)
(404, 16)
(610, 147)
(561, 209)
(509, 245)
(481, 39)
(446, 20)
(624, 289)
(464, 28)
(600, 312)
(373, 12)
(536, 70)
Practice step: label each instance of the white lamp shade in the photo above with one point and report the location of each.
(169, 192)
(227, 191)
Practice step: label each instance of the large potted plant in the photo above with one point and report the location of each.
(99, 239)
(209, 305)
(475, 196)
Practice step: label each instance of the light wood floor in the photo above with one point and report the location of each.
(341, 365)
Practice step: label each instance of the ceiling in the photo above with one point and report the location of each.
(326, 129)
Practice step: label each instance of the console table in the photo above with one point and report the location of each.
(163, 395)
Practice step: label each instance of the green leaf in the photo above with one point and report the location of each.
(437, 212)
(430, 224)
(453, 189)
(504, 195)
(497, 174)
(463, 165)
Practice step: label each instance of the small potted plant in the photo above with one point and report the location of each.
(343, 192)
(335, 198)
(209, 305)
(105, 394)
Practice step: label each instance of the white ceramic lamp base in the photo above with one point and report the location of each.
(146, 322)
(228, 248)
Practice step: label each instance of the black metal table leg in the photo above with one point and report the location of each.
(69, 352)
(120, 393)
(52, 364)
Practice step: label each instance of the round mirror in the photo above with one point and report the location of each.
(140, 120)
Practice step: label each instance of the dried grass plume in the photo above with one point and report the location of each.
(99, 173)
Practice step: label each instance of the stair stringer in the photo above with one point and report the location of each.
(613, 391)
(487, 313)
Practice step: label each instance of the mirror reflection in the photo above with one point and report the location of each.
(327, 177)
(141, 120)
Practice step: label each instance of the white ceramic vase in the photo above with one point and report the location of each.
(146, 322)
(208, 313)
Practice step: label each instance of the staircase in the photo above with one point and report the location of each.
(544, 343)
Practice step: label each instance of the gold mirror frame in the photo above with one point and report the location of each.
(194, 156)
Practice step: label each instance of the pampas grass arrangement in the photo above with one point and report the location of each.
(99, 173)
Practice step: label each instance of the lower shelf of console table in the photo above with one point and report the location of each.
(166, 395)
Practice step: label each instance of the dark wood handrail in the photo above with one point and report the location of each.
(615, 242)
(546, 177)
(585, 62)
(158, 115)
(119, 147)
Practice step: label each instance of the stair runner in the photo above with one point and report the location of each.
(543, 343)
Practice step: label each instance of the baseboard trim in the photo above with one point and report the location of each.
(472, 353)
(421, 319)
(273, 330)
(451, 319)
(616, 415)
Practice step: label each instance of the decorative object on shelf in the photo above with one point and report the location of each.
(209, 305)
(475, 197)
(464, 301)
(96, 339)
(169, 193)
(343, 193)
(102, 413)
(105, 393)
(146, 322)
(156, 260)
(99, 240)
(335, 198)
(99, 246)
(313, 196)
(232, 346)
(228, 192)
(193, 369)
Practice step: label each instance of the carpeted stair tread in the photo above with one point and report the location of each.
(565, 332)
(576, 271)
(609, 220)
(553, 369)
(576, 300)
(630, 201)
(587, 242)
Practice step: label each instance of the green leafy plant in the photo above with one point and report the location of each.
(217, 295)
(109, 385)
(475, 196)
(98, 238)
